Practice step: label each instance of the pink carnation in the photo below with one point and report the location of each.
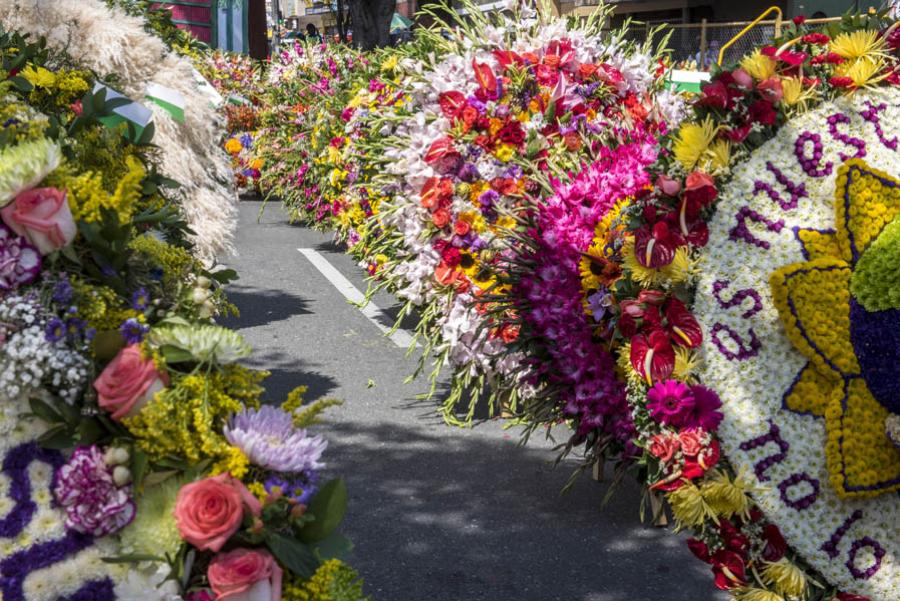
(93, 503)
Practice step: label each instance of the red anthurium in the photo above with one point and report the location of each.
(699, 549)
(651, 297)
(452, 103)
(776, 546)
(486, 79)
(729, 570)
(654, 247)
(700, 189)
(652, 356)
(442, 155)
(694, 467)
(738, 134)
(681, 325)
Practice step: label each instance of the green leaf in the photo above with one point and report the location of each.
(58, 437)
(223, 276)
(292, 554)
(45, 411)
(328, 506)
(174, 354)
(335, 546)
(133, 558)
(139, 464)
(89, 431)
(21, 83)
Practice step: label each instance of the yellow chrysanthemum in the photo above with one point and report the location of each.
(864, 44)
(785, 577)
(689, 507)
(863, 72)
(755, 594)
(675, 272)
(795, 92)
(697, 147)
(38, 77)
(727, 497)
(687, 362)
(758, 65)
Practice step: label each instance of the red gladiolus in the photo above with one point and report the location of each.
(610, 75)
(452, 103)
(652, 356)
(729, 570)
(486, 80)
(654, 247)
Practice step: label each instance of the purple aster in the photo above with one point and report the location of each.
(20, 262)
(268, 438)
(705, 413)
(140, 300)
(670, 402)
(63, 292)
(469, 173)
(246, 140)
(93, 503)
(133, 331)
(74, 327)
(488, 198)
(598, 303)
(300, 489)
(55, 330)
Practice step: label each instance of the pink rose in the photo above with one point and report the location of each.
(691, 442)
(664, 447)
(42, 216)
(128, 383)
(245, 575)
(742, 79)
(209, 511)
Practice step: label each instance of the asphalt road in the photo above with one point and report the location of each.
(437, 513)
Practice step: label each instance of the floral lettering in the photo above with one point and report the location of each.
(878, 553)
(871, 115)
(772, 436)
(744, 352)
(831, 546)
(804, 501)
(860, 146)
(738, 299)
(742, 232)
(811, 164)
(797, 191)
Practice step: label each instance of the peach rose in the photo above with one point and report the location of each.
(209, 511)
(441, 217)
(664, 447)
(691, 442)
(42, 216)
(128, 383)
(245, 575)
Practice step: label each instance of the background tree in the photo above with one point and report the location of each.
(371, 22)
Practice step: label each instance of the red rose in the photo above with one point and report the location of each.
(461, 227)
(728, 568)
(762, 112)
(586, 70)
(691, 442)
(770, 89)
(441, 217)
(512, 133)
(451, 256)
(714, 95)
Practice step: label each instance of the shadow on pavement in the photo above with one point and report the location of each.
(260, 307)
(450, 516)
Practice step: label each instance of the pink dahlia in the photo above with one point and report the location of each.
(93, 503)
(670, 402)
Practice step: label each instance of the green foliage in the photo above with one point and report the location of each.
(876, 278)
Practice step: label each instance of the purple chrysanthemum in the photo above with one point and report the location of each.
(705, 413)
(670, 402)
(55, 330)
(85, 488)
(268, 438)
(300, 489)
(20, 262)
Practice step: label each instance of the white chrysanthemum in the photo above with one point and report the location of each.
(205, 343)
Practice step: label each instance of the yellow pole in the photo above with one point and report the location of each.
(748, 28)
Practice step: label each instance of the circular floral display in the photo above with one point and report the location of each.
(798, 297)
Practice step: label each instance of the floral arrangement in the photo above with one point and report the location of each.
(137, 459)
(750, 399)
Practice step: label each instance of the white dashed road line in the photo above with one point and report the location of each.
(400, 337)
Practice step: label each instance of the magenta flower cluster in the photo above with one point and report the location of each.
(578, 366)
(681, 406)
(86, 490)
